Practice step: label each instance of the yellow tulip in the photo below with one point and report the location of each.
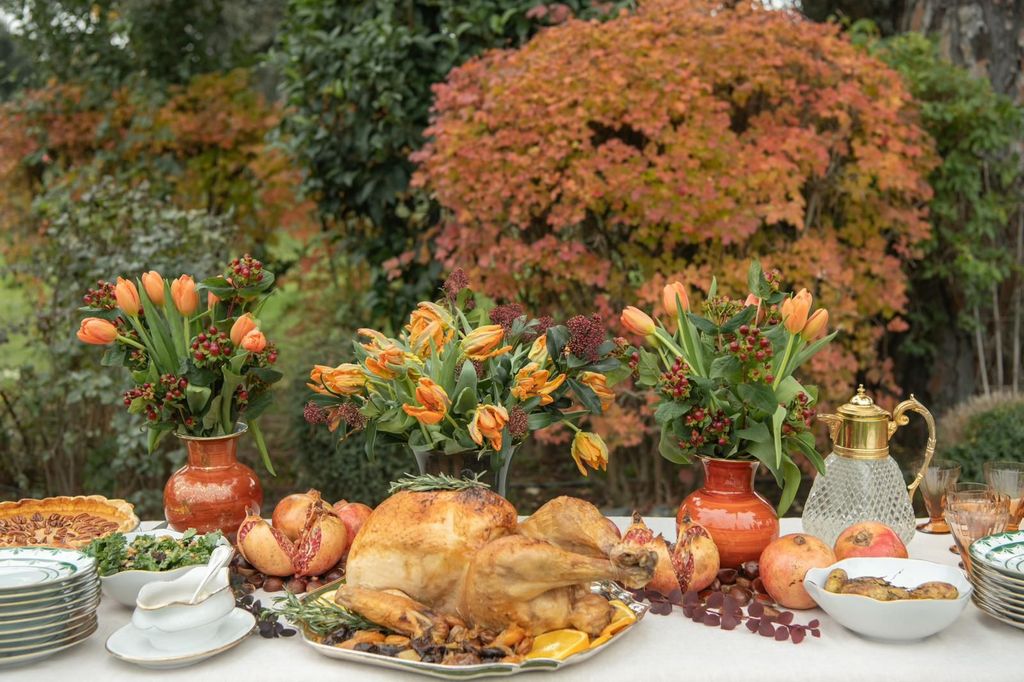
(184, 295)
(387, 362)
(815, 325)
(429, 323)
(127, 296)
(242, 326)
(668, 298)
(588, 448)
(532, 381)
(598, 383)
(482, 343)
(487, 422)
(539, 350)
(637, 321)
(794, 311)
(345, 379)
(97, 331)
(153, 283)
(433, 402)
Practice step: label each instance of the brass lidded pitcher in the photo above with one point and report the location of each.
(861, 481)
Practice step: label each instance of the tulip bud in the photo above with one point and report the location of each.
(153, 283)
(753, 300)
(637, 321)
(588, 448)
(184, 294)
(127, 296)
(669, 294)
(254, 341)
(815, 325)
(97, 331)
(794, 311)
(242, 326)
(212, 299)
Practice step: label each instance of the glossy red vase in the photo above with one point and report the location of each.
(739, 520)
(213, 491)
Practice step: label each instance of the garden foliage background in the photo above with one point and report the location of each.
(570, 156)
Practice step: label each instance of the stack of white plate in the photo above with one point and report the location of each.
(997, 572)
(48, 600)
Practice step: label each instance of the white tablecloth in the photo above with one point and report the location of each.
(974, 649)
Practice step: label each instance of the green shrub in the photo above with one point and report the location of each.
(983, 429)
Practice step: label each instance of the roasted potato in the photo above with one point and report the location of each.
(835, 580)
(935, 590)
(875, 589)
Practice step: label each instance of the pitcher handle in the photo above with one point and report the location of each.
(900, 418)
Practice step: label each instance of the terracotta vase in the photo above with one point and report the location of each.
(740, 521)
(492, 470)
(213, 491)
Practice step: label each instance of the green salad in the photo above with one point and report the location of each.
(114, 553)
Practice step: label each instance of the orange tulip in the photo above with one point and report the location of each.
(539, 350)
(97, 331)
(345, 379)
(212, 299)
(378, 341)
(637, 321)
(387, 362)
(127, 296)
(254, 341)
(794, 311)
(242, 326)
(433, 399)
(598, 383)
(588, 448)
(482, 343)
(532, 381)
(815, 325)
(668, 298)
(184, 294)
(153, 283)
(429, 324)
(487, 422)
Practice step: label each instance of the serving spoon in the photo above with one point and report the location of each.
(219, 558)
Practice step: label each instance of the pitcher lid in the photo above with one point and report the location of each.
(862, 408)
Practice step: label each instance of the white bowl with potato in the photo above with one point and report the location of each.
(906, 615)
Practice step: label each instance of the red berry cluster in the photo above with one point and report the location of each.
(242, 396)
(212, 348)
(800, 415)
(101, 297)
(264, 358)
(244, 271)
(706, 427)
(518, 422)
(162, 397)
(754, 352)
(586, 334)
(314, 414)
(674, 383)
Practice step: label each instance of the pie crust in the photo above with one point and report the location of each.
(67, 522)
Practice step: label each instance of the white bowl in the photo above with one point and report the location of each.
(164, 615)
(904, 619)
(124, 586)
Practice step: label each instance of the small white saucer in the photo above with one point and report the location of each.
(128, 644)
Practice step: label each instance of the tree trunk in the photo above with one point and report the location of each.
(1018, 283)
(997, 320)
(979, 342)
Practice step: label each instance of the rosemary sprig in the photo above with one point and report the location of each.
(321, 616)
(427, 482)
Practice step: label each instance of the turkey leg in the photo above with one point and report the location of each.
(573, 525)
(393, 610)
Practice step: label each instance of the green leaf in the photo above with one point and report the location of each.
(726, 367)
(788, 389)
(542, 420)
(791, 484)
(467, 379)
(466, 401)
(765, 453)
(756, 282)
(777, 419)
(759, 396)
(805, 443)
(197, 397)
(258, 405)
(667, 410)
(266, 374)
(557, 337)
(745, 316)
(810, 350)
(648, 368)
(371, 440)
(668, 446)
(755, 433)
(212, 416)
(155, 435)
(261, 445)
(113, 357)
(586, 396)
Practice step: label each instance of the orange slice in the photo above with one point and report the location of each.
(622, 618)
(559, 644)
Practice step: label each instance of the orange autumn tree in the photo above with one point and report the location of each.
(601, 160)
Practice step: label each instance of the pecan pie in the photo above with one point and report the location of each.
(68, 522)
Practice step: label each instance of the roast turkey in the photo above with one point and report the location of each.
(423, 558)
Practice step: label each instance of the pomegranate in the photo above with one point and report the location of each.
(290, 513)
(322, 543)
(265, 547)
(640, 535)
(695, 556)
(353, 515)
(869, 538)
(785, 562)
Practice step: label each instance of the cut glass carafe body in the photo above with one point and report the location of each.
(861, 481)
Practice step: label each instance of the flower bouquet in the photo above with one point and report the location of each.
(466, 376)
(725, 381)
(198, 371)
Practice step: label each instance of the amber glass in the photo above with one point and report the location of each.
(1008, 478)
(739, 520)
(938, 477)
(974, 514)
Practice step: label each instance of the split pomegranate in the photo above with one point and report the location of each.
(695, 556)
(870, 539)
(265, 547)
(640, 535)
(785, 562)
(322, 543)
(353, 515)
(290, 513)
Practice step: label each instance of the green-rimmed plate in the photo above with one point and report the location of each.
(34, 653)
(1002, 552)
(32, 598)
(46, 605)
(26, 569)
(607, 589)
(44, 619)
(59, 630)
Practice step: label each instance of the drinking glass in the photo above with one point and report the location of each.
(940, 475)
(1008, 479)
(974, 514)
(963, 488)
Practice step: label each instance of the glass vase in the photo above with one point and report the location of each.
(491, 468)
